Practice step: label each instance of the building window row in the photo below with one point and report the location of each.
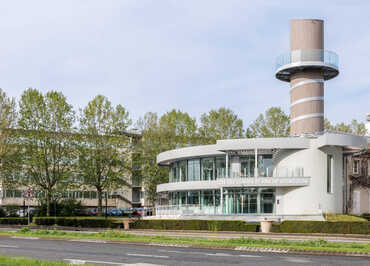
(212, 168)
(16, 193)
(234, 200)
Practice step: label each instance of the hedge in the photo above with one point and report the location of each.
(14, 220)
(78, 222)
(207, 225)
(323, 227)
(366, 216)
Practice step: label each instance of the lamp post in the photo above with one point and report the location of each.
(106, 204)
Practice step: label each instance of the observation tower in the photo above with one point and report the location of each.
(306, 67)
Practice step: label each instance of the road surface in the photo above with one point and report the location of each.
(105, 253)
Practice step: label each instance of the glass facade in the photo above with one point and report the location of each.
(235, 200)
(248, 200)
(212, 168)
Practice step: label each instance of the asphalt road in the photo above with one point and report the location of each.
(102, 253)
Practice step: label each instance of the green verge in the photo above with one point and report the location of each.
(20, 261)
(316, 245)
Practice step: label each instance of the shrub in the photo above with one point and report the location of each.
(64, 208)
(366, 216)
(325, 227)
(337, 217)
(209, 225)
(78, 222)
(2, 212)
(14, 220)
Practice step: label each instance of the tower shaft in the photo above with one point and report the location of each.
(307, 84)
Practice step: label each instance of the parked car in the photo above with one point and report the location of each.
(115, 212)
(92, 212)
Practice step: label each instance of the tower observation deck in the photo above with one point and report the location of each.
(306, 67)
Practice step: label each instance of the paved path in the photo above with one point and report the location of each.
(102, 253)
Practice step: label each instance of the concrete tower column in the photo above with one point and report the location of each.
(306, 67)
(307, 86)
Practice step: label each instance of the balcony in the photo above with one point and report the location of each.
(298, 60)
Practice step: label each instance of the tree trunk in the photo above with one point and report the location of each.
(48, 202)
(100, 202)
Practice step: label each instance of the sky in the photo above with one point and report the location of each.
(189, 55)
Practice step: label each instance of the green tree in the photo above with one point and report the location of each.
(172, 130)
(104, 150)
(8, 117)
(177, 129)
(45, 141)
(354, 127)
(151, 144)
(222, 123)
(275, 123)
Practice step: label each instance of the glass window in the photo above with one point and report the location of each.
(207, 198)
(182, 171)
(182, 198)
(265, 165)
(207, 167)
(93, 194)
(220, 167)
(247, 166)
(356, 166)
(267, 200)
(193, 197)
(174, 199)
(217, 197)
(18, 193)
(329, 178)
(175, 173)
(245, 200)
(193, 170)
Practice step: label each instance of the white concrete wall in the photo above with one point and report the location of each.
(313, 199)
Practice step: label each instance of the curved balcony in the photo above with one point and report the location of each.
(298, 60)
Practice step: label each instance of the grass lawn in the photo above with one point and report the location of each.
(334, 217)
(316, 245)
(20, 261)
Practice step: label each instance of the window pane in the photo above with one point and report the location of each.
(193, 197)
(247, 166)
(265, 165)
(220, 168)
(182, 197)
(207, 198)
(207, 168)
(193, 170)
(329, 173)
(182, 171)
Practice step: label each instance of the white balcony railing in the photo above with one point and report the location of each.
(187, 209)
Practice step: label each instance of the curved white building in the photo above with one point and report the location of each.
(298, 177)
